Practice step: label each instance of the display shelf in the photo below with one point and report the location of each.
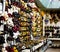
(25, 25)
(55, 42)
(26, 50)
(37, 46)
(54, 39)
(18, 30)
(49, 25)
(24, 31)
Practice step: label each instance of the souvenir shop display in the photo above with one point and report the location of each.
(22, 24)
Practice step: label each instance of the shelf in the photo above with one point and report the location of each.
(26, 50)
(49, 30)
(37, 46)
(24, 26)
(24, 30)
(26, 21)
(53, 38)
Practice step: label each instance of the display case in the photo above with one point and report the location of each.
(51, 28)
(22, 26)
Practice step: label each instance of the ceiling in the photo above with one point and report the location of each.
(48, 4)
